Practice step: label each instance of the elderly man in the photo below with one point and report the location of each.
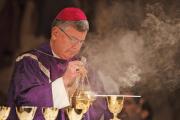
(45, 76)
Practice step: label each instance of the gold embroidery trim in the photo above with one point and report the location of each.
(41, 66)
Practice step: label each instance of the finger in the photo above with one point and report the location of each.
(75, 67)
(76, 70)
(76, 63)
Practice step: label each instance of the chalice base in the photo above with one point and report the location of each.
(115, 119)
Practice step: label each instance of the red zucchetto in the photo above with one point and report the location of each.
(71, 14)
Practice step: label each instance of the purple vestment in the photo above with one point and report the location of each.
(31, 87)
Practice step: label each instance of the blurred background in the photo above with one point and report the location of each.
(132, 44)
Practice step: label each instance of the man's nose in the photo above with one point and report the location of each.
(77, 45)
(75, 48)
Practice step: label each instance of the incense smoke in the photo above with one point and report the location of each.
(146, 56)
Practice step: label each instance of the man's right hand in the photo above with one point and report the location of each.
(74, 71)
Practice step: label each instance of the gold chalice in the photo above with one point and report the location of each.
(80, 105)
(26, 112)
(115, 105)
(74, 114)
(4, 112)
(50, 113)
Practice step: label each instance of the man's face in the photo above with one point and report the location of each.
(130, 106)
(131, 109)
(66, 43)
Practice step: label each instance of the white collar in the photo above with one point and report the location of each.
(54, 54)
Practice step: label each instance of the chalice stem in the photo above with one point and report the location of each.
(115, 117)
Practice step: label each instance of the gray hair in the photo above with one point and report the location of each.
(81, 25)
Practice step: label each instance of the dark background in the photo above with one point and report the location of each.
(25, 24)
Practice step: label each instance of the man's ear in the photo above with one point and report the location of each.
(54, 32)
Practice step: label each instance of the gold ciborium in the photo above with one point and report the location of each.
(81, 102)
(4, 112)
(115, 105)
(26, 112)
(50, 113)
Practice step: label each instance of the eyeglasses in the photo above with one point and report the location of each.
(71, 38)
